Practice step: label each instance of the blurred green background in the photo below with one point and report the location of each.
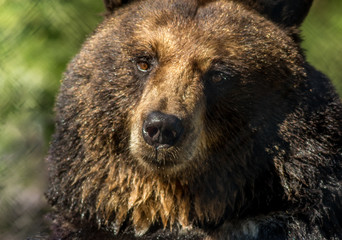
(37, 39)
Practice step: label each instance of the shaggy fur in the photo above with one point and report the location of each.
(260, 155)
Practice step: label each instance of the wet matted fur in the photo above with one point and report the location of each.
(259, 155)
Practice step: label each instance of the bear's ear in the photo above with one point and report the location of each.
(284, 12)
(113, 4)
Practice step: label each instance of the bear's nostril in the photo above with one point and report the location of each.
(161, 130)
(152, 132)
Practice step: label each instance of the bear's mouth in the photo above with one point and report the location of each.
(161, 157)
(173, 159)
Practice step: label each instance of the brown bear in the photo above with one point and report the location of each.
(197, 119)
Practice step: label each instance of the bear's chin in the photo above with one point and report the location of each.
(162, 159)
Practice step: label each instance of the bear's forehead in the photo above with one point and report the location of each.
(180, 33)
(185, 19)
(203, 31)
(187, 32)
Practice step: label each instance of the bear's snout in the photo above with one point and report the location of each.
(161, 130)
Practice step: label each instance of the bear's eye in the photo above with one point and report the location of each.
(217, 77)
(143, 65)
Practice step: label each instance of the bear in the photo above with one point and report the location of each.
(197, 119)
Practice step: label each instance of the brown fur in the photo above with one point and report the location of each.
(237, 159)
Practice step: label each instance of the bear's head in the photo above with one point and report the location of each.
(166, 114)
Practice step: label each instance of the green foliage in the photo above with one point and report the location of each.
(322, 32)
(37, 39)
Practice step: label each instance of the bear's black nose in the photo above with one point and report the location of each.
(161, 130)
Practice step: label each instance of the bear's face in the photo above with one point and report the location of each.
(192, 80)
(160, 111)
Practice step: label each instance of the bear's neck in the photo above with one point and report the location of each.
(147, 199)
